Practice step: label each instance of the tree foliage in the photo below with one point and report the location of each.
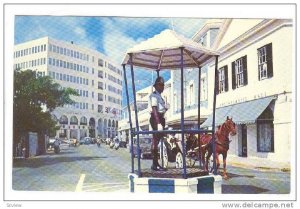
(35, 97)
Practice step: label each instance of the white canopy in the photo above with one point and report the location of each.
(163, 51)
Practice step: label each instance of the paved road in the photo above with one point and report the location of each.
(92, 169)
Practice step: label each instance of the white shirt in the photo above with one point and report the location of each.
(155, 99)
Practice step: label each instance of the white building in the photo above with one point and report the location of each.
(255, 84)
(142, 97)
(95, 77)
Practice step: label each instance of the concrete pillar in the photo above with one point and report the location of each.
(68, 132)
(96, 130)
(78, 133)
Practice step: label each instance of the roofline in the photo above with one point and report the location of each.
(208, 25)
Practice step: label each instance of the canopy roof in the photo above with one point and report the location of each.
(163, 51)
(242, 113)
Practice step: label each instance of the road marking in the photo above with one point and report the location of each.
(80, 183)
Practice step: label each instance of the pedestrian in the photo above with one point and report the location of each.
(157, 108)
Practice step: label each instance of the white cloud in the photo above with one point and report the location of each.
(80, 31)
(187, 26)
(116, 45)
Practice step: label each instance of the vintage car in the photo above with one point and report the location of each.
(145, 146)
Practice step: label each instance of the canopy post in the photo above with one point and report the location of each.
(182, 117)
(136, 117)
(199, 97)
(157, 72)
(130, 121)
(214, 116)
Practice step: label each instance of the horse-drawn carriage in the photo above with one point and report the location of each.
(198, 147)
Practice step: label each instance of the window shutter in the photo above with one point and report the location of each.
(269, 60)
(258, 65)
(233, 75)
(245, 73)
(217, 81)
(226, 77)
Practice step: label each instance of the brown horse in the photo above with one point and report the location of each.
(221, 144)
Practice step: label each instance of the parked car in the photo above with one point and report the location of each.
(145, 146)
(123, 144)
(50, 144)
(85, 140)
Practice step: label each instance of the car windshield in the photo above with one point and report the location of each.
(146, 140)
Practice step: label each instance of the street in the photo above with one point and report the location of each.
(91, 169)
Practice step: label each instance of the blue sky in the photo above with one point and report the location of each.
(111, 36)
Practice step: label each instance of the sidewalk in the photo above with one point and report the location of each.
(256, 163)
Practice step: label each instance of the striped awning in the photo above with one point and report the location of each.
(242, 113)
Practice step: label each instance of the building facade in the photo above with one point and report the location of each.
(255, 84)
(191, 84)
(94, 76)
(142, 97)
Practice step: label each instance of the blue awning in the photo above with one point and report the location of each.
(242, 113)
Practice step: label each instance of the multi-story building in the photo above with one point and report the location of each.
(94, 76)
(191, 84)
(142, 97)
(255, 84)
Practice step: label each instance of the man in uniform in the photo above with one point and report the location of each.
(157, 108)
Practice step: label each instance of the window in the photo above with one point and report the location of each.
(203, 40)
(100, 97)
(191, 94)
(265, 133)
(239, 73)
(100, 62)
(100, 108)
(265, 63)
(100, 85)
(203, 93)
(223, 79)
(100, 73)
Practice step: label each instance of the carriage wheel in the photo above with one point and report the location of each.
(179, 160)
(163, 156)
(190, 161)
